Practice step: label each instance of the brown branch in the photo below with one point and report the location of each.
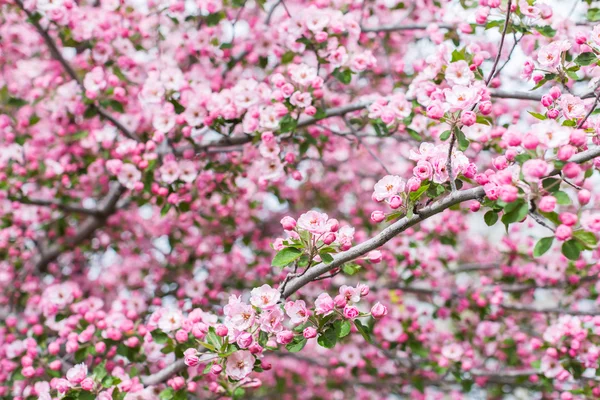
(55, 204)
(493, 71)
(85, 230)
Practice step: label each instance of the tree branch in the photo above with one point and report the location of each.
(85, 230)
(404, 27)
(55, 204)
(383, 237)
(493, 71)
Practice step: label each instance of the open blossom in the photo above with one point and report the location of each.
(313, 222)
(239, 365)
(324, 304)
(551, 134)
(129, 175)
(297, 311)
(459, 73)
(452, 351)
(169, 172)
(271, 320)
(534, 170)
(571, 106)
(77, 373)
(388, 186)
(549, 55)
(461, 97)
(264, 297)
(238, 315)
(170, 320)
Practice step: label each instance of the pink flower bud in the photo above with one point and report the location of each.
(216, 369)
(555, 92)
(395, 202)
(468, 118)
(375, 256)
(181, 336)
(377, 216)
(333, 225)
(413, 184)
(288, 223)
(435, 111)
(485, 107)
(547, 204)
(530, 141)
(537, 77)
(547, 100)
(568, 218)
(244, 340)
(563, 232)
(284, 337)
(500, 162)
(329, 238)
(190, 357)
(553, 113)
(580, 38)
(584, 196)
(351, 312)
(379, 310)
(578, 137)
(566, 152)
(222, 330)
(87, 384)
(571, 170)
(309, 332)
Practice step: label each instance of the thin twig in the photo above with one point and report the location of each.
(493, 71)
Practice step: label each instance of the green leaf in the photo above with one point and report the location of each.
(490, 218)
(166, 394)
(414, 196)
(115, 105)
(15, 102)
(344, 76)
(326, 257)
(458, 55)
(263, 337)
(329, 337)
(538, 115)
(484, 120)
(593, 14)
(562, 198)
(90, 112)
(542, 246)
(287, 57)
(286, 256)
(215, 18)
(287, 124)
(585, 58)
(571, 250)
(363, 330)
(350, 269)
(100, 371)
(85, 395)
(463, 142)
(445, 135)
(343, 328)
(296, 344)
(546, 30)
(159, 336)
(178, 107)
(588, 239)
(516, 214)
(551, 184)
